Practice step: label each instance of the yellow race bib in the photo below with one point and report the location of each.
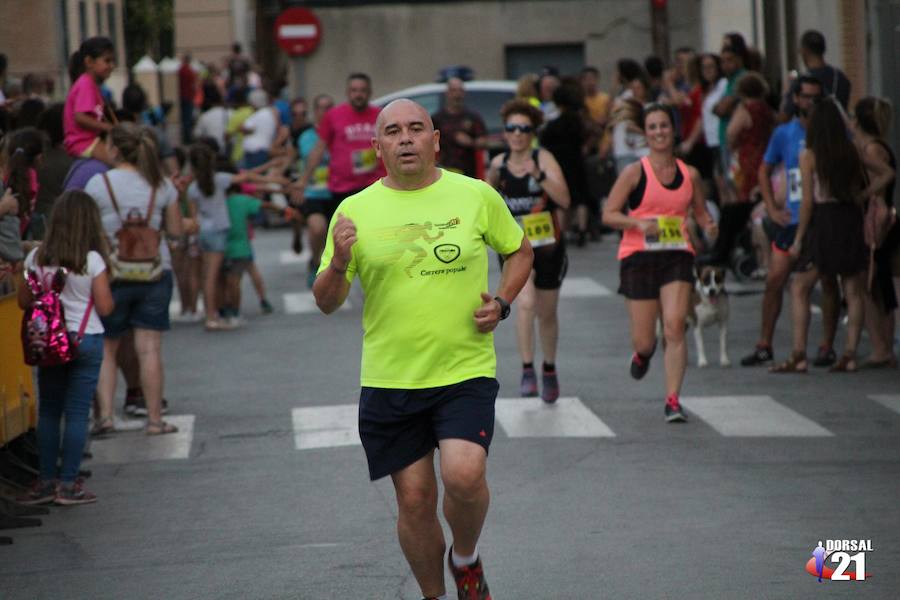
(364, 161)
(538, 228)
(320, 176)
(670, 235)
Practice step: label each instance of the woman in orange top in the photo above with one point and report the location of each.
(657, 259)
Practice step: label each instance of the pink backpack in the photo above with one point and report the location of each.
(46, 341)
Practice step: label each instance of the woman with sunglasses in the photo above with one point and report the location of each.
(534, 188)
(657, 259)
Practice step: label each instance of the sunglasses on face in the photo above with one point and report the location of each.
(512, 127)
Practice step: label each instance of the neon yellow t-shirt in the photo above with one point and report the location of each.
(421, 258)
(233, 128)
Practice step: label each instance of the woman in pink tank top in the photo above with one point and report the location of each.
(657, 260)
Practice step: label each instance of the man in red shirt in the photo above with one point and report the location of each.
(346, 132)
(463, 133)
(187, 88)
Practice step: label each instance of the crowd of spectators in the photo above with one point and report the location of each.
(241, 142)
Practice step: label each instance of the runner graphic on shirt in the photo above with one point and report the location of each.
(397, 241)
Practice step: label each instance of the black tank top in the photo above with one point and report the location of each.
(637, 194)
(524, 195)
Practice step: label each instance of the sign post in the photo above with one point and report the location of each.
(298, 32)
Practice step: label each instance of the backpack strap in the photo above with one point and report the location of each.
(112, 197)
(84, 319)
(151, 206)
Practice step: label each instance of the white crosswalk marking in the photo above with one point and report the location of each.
(752, 416)
(730, 416)
(326, 426)
(287, 257)
(131, 445)
(583, 287)
(532, 417)
(304, 302)
(889, 401)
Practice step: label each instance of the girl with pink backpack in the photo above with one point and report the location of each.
(66, 290)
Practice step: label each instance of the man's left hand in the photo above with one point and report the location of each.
(488, 314)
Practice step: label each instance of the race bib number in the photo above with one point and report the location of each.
(538, 228)
(364, 161)
(794, 189)
(320, 176)
(670, 235)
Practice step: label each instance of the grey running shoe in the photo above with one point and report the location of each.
(674, 412)
(528, 387)
(639, 366)
(549, 387)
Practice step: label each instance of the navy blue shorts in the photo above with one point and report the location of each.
(139, 305)
(783, 237)
(398, 427)
(325, 208)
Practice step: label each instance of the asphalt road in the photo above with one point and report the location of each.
(264, 494)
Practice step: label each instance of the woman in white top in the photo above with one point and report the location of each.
(214, 120)
(208, 192)
(75, 243)
(710, 63)
(700, 146)
(259, 130)
(629, 143)
(137, 182)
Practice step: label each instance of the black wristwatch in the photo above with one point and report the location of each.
(504, 307)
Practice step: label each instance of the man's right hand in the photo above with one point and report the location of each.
(344, 236)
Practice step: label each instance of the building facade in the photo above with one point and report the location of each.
(40, 35)
(406, 43)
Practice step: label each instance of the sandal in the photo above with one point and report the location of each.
(103, 426)
(795, 364)
(159, 428)
(846, 364)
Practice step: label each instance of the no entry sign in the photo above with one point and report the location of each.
(298, 31)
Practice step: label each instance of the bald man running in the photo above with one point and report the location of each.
(428, 364)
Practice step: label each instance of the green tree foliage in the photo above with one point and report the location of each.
(149, 29)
